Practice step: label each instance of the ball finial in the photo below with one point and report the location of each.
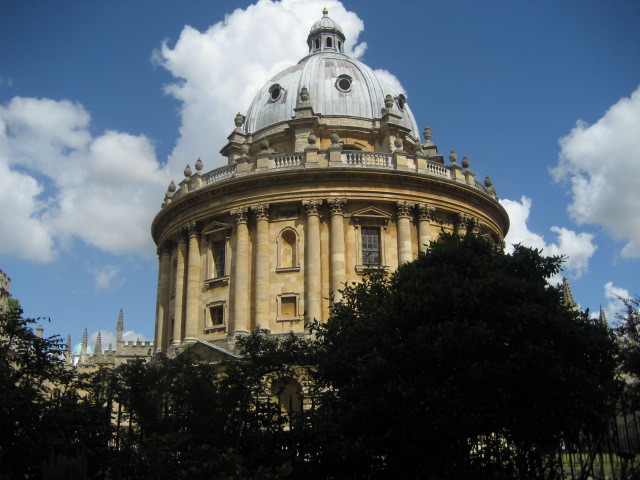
(325, 12)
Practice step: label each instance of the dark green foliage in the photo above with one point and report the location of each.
(464, 364)
(38, 414)
(628, 331)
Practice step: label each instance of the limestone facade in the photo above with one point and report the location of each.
(5, 290)
(309, 201)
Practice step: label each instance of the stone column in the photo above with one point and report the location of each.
(312, 267)
(162, 303)
(426, 213)
(337, 255)
(241, 273)
(177, 315)
(405, 252)
(193, 285)
(261, 293)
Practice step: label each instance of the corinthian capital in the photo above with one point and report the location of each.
(193, 230)
(336, 205)
(261, 211)
(426, 212)
(241, 214)
(404, 209)
(312, 206)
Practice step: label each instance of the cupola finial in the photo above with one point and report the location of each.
(325, 12)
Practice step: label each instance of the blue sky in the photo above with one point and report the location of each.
(103, 103)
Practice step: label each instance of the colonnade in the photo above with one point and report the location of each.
(187, 275)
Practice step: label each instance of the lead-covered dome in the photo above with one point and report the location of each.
(338, 86)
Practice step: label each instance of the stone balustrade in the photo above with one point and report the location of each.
(355, 159)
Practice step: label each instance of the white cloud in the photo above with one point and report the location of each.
(577, 248)
(601, 163)
(615, 305)
(220, 70)
(105, 274)
(59, 183)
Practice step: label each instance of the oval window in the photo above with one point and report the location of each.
(401, 102)
(344, 83)
(275, 92)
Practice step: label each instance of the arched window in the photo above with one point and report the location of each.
(286, 392)
(317, 42)
(288, 250)
(329, 42)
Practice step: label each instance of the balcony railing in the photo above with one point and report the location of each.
(367, 159)
(355, 159)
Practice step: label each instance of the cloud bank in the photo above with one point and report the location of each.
(602, 164)
(577, 248)
(58, 182)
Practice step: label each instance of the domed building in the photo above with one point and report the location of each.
(327, 177)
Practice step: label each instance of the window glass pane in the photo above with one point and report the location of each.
(219, 259)
(217, 315)
(370, 246)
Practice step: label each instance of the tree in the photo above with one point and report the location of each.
(628, 331)
(465, 363)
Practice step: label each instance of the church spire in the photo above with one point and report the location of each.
(119, 331)
(83, 350)
(67, 353)
(567, 296)
(602, 317)
(98, 349)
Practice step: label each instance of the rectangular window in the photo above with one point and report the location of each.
(216, 315)
(370, 246)
(219, 258)
(288, 307)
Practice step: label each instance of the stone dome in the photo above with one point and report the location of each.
(338, 86)
(77, 350)
(325, 24)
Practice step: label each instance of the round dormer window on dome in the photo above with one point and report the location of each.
(343, 83)
(401, 101)
(275, 92)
